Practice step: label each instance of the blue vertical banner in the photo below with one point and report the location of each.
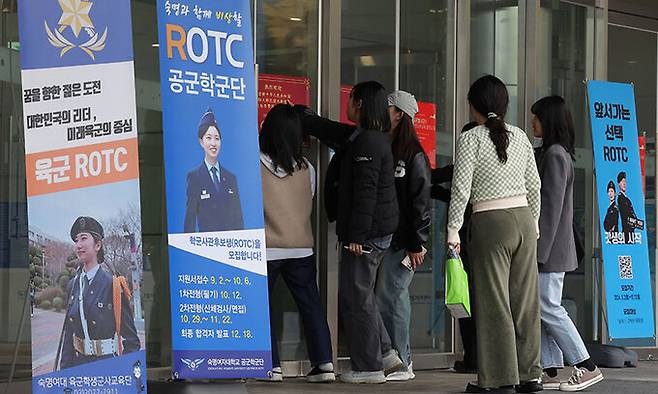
(82, 178)
(218, 268)
(622, 215)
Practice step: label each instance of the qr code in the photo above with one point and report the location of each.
(625, 267)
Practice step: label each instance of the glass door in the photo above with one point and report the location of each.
(564, 54)
(632, 58)
(14, 266)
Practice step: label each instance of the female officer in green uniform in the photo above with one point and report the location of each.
(92, 322)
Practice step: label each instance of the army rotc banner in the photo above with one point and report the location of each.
(81, 163)
(218, 269)
(621, 211)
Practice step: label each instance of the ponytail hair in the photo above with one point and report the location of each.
(488, 96)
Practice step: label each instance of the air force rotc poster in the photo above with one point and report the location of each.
(217, 262)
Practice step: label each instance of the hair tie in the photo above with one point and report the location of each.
(491, 115)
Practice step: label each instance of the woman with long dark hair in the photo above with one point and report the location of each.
(495, 170)
(556, 249)
(289, 186)
(360, 196)
(407, 251)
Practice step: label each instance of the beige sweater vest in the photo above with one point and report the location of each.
(287, 202)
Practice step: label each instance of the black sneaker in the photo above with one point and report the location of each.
(532, 386)
(474, 388)
(319, 376)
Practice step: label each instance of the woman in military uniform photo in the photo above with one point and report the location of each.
(99, 320)
(213, 200)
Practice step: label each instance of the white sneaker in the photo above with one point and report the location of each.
(581, 378)
(391, 362)
(276, 375)
(368, 377)
(402, 375)
(399, 376)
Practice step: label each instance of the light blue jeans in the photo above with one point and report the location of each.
(560, 340)
(393, 301)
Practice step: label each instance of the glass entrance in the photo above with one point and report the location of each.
(637, 64)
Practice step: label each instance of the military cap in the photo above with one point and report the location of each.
(611, 185)
(87, 224)
(208, 119)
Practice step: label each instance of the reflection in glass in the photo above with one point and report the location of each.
(561, 69)
(368, 42)
(287, 39)
(637, 64)
(14, 261)
(287, 51)
(423, 72)
(367, 53)
(494, 46)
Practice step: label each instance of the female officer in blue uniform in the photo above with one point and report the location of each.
(90, 332)
(213, 201)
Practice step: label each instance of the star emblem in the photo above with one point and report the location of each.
(75, 14)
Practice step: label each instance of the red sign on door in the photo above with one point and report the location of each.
(276, 89)
(345, 91)
(425, 123)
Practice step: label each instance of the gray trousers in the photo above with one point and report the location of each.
(504, 268)
(361, 319)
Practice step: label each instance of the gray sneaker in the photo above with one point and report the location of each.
(367, 377)
(581, 379)
(391, 362)
(549, 382)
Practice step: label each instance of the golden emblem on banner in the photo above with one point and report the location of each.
(75, 14)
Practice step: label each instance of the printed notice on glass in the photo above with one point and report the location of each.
(218, 267)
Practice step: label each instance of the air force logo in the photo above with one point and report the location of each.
(193, 365)
(75, 14)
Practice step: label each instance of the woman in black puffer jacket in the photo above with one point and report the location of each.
(360, 195)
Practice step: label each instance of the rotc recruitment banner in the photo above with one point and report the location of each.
(622, 217)
(218, 268)
(80, 126)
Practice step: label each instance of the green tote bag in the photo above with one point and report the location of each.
(457, 297)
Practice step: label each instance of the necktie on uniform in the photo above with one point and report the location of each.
(85, 283)
(215, 177)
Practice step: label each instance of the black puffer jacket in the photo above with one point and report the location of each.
(412, 182)
(359, 188)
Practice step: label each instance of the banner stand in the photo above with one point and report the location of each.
(215, 223)
(617, 176)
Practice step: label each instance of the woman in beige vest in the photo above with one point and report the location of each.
(288, 190)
